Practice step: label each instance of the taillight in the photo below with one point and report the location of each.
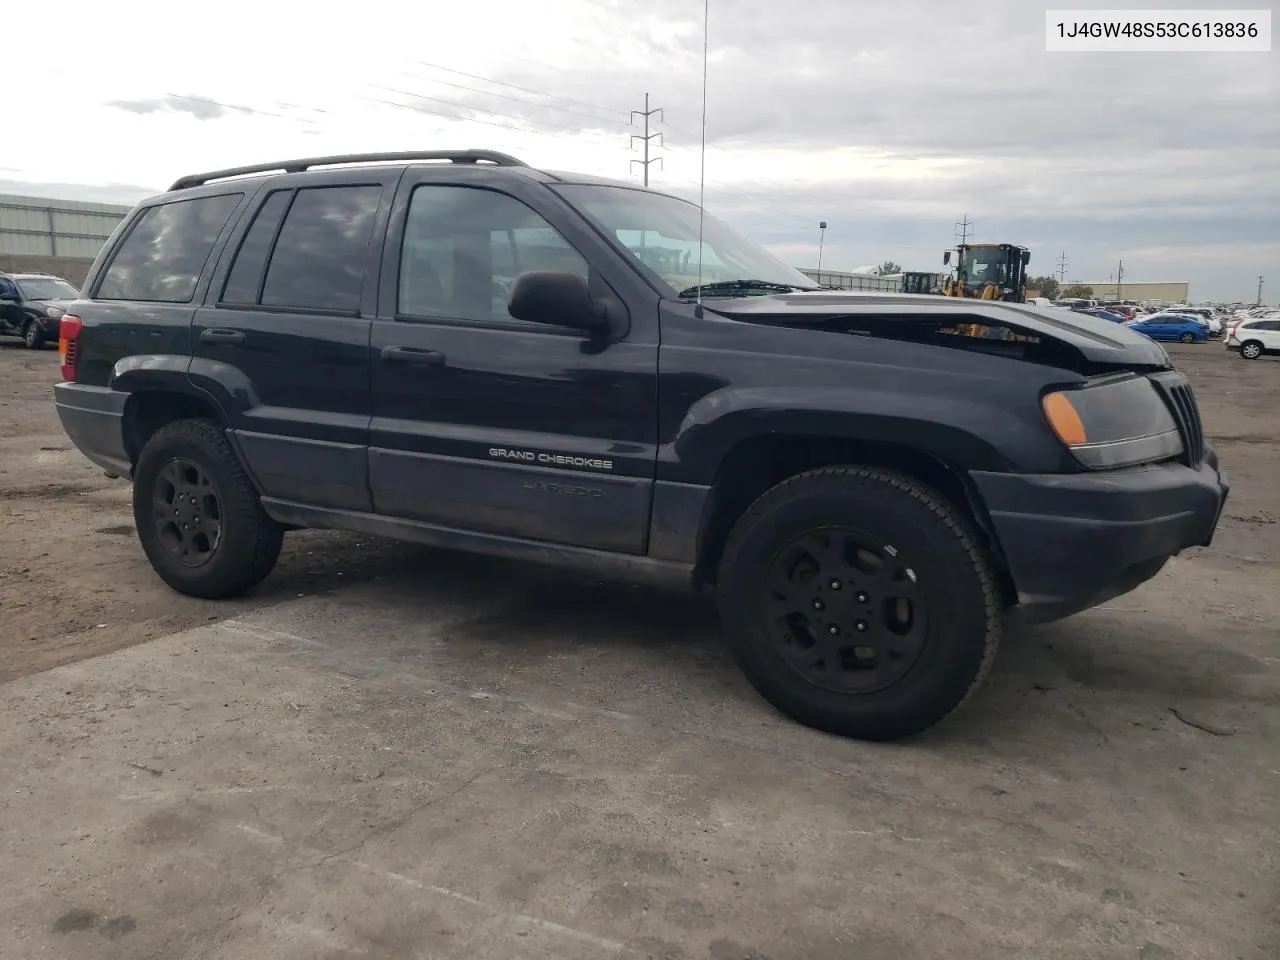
(68, 340)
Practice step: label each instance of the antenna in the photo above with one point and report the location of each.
(702, 173)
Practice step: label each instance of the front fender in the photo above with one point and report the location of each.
(971, 435)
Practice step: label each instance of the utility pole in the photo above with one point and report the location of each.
(1119, 279)
(1062, 269)
(963, 229)
(647, 138)
(822, 236)
(1259, 292)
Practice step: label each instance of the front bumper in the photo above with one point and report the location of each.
(93, 417)
(1072, 541)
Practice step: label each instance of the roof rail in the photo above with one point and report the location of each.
(297, 166)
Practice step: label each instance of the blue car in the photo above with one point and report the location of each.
(1103, 314)
(1169, 327)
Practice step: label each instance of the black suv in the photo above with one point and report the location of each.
(457, 349)
(32, 305)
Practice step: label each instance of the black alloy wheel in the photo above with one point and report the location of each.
(187, 513)
(844, 610)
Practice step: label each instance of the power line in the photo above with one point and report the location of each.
(464, 106)
(1062, 268)
(452, 116)
(516, 86)
(507, 96)
(962, 229)
(648, 137)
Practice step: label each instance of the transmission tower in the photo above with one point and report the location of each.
(1062, 269)
(647, 138)
(1260, 291)
(963, 229)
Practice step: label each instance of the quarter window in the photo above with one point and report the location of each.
(244, 282)
(162, 257)
(463, 248)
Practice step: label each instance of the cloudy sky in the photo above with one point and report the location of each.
(889, 120)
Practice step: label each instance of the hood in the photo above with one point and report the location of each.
(1100, 343)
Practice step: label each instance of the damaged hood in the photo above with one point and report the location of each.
(1097, 341)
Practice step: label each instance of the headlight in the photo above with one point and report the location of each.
(53, 312)
(1116, 424)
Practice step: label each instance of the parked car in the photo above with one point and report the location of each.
(868, 481)
(1104, 314)
(32, 305)
(1255, 338)
(1166, 326)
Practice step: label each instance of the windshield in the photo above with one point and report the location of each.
(662, 233)
(983, 265)
(46, 288)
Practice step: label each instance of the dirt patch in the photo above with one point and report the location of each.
(73, 580)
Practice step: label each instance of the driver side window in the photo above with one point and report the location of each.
(463, 248)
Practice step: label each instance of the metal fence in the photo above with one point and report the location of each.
(37, 227)
(837, 280)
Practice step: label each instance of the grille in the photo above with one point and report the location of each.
(1182, 401)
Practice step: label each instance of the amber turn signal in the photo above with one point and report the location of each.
(1064, 419)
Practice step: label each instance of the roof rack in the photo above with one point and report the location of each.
(297, 166)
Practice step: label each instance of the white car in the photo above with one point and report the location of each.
(1255, 337)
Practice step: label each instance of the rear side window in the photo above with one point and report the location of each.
(162, 257)
(319, 257)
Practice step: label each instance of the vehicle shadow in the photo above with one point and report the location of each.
(1097, 676)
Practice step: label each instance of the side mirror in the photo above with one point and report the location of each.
(1026, 257)
(946, 257)
(557, 299)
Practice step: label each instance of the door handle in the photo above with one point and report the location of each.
(221, 336)
(427, 358)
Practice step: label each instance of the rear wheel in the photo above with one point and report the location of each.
(32, 335)
(1251, 349)
(858, 601)
(198, 515)
(1188, 338)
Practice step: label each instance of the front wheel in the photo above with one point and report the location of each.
(1251, 349)
(858, 601)
(1188, 338)
(32, 335)
(198, 515)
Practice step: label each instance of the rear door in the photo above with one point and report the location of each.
(283, 340)
(488, 423)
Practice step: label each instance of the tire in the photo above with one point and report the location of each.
(1188, 338)
(247, 541)
(961, 613)
(1251, 350)
(32, 335)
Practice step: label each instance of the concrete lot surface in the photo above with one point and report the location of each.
(469, 758)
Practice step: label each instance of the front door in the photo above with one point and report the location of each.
(283, 341)
(487, 423)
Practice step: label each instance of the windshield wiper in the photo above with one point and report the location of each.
(732, 286)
